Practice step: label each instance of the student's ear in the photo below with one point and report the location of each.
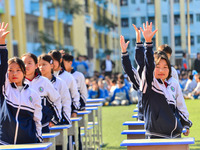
(61, 60)
(36, 66)
(70, 62)
(51, 66)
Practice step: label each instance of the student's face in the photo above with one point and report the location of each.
(15, 74)
(45, 67)
(161, 70)
(68, 65)
(56, 65)
(94, 86)
(119, 85)
(29, 64)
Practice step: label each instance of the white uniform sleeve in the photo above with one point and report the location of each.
(83, 88)
(54, 96)
(66, 100)
(174, 73)
(181, 103)
(37, 116)
(74, 93)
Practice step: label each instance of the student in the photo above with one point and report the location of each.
(103, 88)
(20, 106)
(45, 65)
(50, 98)
(165, 48)
(164, 106)
(79, 77)
(190, 86)
(68, 78)
(120, 95)
(95, 92)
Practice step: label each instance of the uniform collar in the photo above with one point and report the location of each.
(37, 75)
(61, 71)
(53, 79)
(25, 86)
(72, 71)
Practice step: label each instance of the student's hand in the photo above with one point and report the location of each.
(147, 32)
(74, 115)
(138, 34)
(51, 124)
(123, 44)
(3, 32)
(187, 132)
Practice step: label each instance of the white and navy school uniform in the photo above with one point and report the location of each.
(71, 83)
(63, 90)
(50, 99)
(165, 111)
(20, 109)
(80, 80)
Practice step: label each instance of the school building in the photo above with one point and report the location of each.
(82, 27)
(138, 11)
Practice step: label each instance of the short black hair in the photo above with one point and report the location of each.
(32, 56)
(191, 77)
(165, 48)
(68, 57)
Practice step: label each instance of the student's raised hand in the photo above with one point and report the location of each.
(138, 34)
(123, 44)
(147, 32)
(3, 32)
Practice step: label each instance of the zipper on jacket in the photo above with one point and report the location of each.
(16, 118)
(174, 127)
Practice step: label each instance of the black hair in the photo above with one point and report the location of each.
(120, 76)
(184, 54)
(166, 48)
(158, 55)
(191, 77)
(113, 81)
(46, 57)
(32, 56)
(68, 57)
(55, 54)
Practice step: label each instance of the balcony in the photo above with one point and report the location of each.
(35, 7)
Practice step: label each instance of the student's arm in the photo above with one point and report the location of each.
(83, 91)
(54, 97)
(149, 58)
(66, 102)
(183, 112)
(3, 54)
(74, 94)
(126, 63)
(127, 95)
(37, 116)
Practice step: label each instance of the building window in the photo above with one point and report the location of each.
(165, 40)
(191, 40)
(164, 17)
(151, 19)
(134, 20)
(150, 1)
(176, 19)
(198, 17)
(141, 1)
(143, 20)
(124, 22)
(191, 19)
(124, 2)
(198, 39)
(134, 41)
(176, 1)
(178, 40)
(133, 1)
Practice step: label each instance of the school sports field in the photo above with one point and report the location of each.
(113, 117)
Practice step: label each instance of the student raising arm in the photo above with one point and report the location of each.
(20, 110)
